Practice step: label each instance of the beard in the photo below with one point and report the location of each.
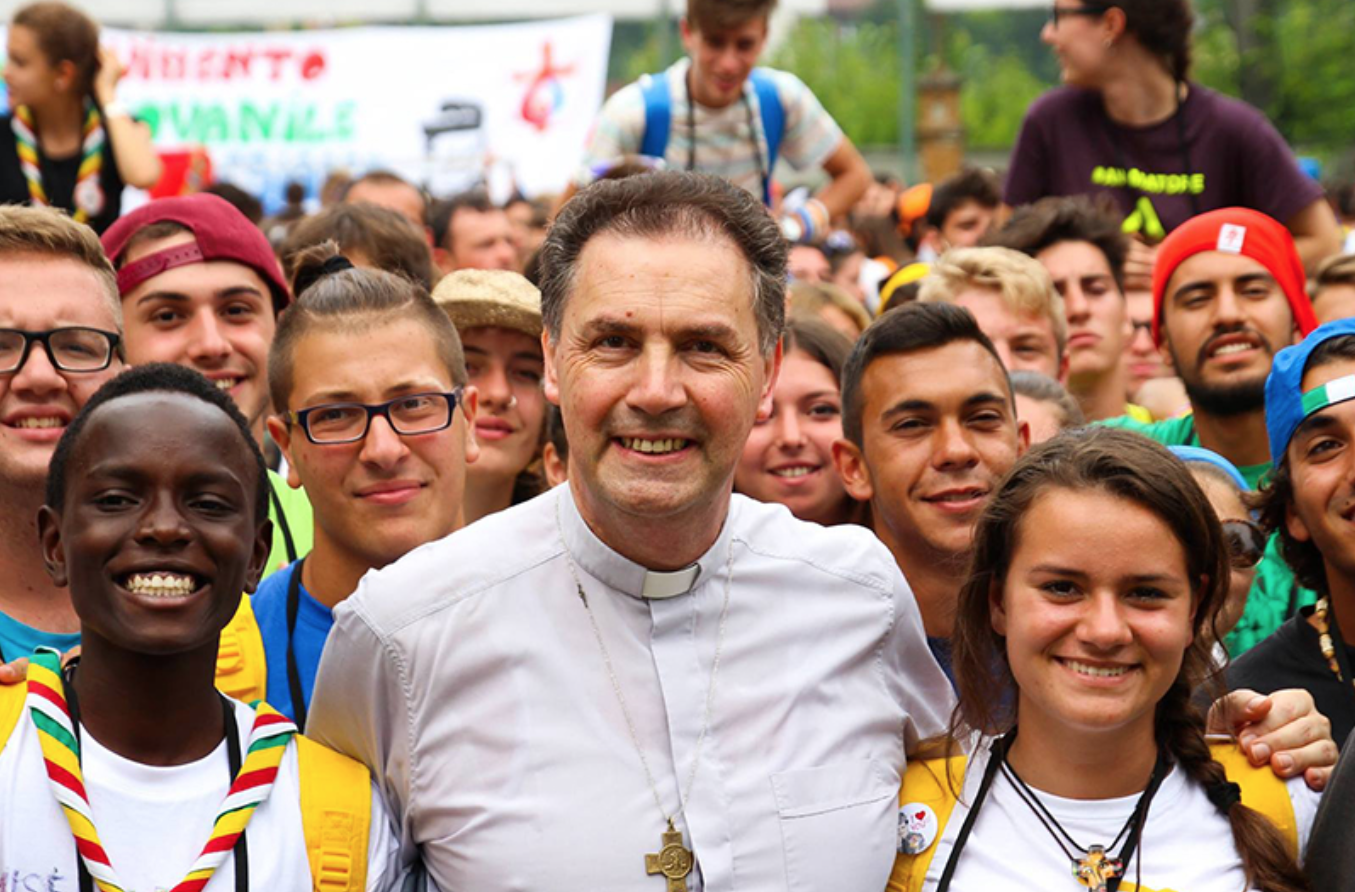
(1226, 400)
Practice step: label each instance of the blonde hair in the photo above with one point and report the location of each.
(808, 299)
(49, 232)
(1023, 282)
(1338, 270)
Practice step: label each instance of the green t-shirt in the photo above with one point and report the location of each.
(1274, 595)
(300, 522)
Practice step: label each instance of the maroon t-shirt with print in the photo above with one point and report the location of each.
(1215, 152)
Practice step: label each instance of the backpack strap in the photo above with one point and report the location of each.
(1262, 790)
(336, 812)
(927, 782)
(773, 114)
(12, 699)
(658, 114)
(241, 665)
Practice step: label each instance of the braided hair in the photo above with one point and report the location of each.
(1131, 467)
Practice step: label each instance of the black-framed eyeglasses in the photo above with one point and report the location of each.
(70, 349)
(408, 415)
(1091, 10)
(1246, 543)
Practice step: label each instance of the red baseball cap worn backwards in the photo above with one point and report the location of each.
(1235, 231)
(220, 231)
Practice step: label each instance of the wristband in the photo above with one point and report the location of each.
(115, 109)
(807, 224)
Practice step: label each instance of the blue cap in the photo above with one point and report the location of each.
(1200, 455)
(1286, 403)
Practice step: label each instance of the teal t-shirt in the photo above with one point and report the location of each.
(1274, 595)
(19, 640)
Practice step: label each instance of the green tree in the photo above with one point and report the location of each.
(999, 83)
(852, 69)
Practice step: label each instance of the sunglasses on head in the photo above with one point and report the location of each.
(1246, 543)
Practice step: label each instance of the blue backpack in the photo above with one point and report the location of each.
(659, 118)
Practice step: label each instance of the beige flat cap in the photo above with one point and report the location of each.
(477, 298)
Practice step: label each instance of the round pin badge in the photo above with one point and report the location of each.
(89, 197)
(917, 828)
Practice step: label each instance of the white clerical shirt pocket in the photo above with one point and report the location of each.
(838, 825)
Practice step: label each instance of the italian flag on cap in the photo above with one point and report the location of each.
(1335, 391)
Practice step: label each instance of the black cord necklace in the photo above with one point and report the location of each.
(762, 172)
(1182, 144)
(287, 540)
(1092, 867)
(293, 672)
(233, 759)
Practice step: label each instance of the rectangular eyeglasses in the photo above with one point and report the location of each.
(408, 415)
(72, 349)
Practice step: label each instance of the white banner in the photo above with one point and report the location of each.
(432, 103)
(975, 5)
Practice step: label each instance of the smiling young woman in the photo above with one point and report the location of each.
(1099, 569)
(788, 457)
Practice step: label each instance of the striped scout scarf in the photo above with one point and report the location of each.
(47, 705)
(89, 194)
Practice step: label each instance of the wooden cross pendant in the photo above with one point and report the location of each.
(673, 860)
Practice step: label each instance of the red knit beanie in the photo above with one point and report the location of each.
(1235, 231)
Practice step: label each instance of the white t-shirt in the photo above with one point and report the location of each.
(153, 821)
(725, 143)
(507, 756)
(1187, 845)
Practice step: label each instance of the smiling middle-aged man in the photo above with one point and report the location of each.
(640, 681)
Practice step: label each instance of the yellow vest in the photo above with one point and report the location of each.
(241, 666)
(926, 781)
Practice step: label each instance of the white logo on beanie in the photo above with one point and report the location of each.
(1231, 238)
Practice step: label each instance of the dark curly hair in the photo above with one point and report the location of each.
(1275, 498)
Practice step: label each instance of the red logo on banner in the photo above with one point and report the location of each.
(544, 94)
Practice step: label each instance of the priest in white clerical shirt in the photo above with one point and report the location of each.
(638, 680)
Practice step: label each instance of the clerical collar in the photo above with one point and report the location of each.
(600, 561)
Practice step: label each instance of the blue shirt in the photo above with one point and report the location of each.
(18, 640)
(942, 650)
(313, 622)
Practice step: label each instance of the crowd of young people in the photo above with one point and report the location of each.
(1006, 545)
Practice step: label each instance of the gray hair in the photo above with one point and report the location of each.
(669, 203)
(1037, 386)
